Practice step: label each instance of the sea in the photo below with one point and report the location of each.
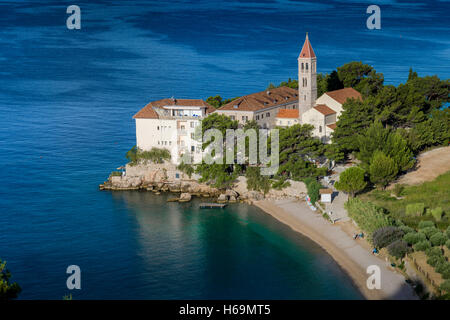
(67, 97)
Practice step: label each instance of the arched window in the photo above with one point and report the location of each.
(303, 67)
(307, 66)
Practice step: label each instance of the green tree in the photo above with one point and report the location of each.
(8, 290)
(382, 169)
(313, 187)
(356, 117)
(362, 77)
(256, 181)
(215, 101)
(351, 181)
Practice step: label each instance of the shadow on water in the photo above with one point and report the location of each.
(235, 252)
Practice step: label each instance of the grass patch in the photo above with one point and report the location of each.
(432, 195)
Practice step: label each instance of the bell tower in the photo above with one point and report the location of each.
(307, 78)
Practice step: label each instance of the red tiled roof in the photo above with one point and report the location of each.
(332, 126)
(262, 100)
(288, 113)
(342, 95)
(307, 50)
(323, 109)
(149, 113)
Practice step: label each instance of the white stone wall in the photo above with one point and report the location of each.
(286, 122)
(330, 103)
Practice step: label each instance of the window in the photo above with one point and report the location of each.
(232, 117)
(158, 141)
(192, 135)
(257, 117)
(157, 127)
(183, 127)
(305, 98)
(192, 124)
(262, 116)
(177, 176)
(192, 148)
(320, 129)
(267, 114)
(307, 66)
(170, 143)
(165, 143)
(303, 67)
(306, 82)
(289, 122)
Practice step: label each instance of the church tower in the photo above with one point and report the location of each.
(307, 78)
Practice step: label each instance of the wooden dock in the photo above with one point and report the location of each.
(212, 205)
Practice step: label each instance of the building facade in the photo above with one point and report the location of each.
(261, 107)
(171, 124)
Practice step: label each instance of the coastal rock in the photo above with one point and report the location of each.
(185, 197)
(232, 199)
(222, 198)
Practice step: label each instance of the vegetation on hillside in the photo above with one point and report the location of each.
(8, 290)
(155, 155)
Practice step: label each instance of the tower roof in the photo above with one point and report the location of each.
(307, 50)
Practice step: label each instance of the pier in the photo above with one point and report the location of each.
(212, 205)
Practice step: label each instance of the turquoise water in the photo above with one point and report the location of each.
(66, 104)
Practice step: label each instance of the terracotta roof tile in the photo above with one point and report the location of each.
(287, 113)
(262, 100)
(342, 95)
(148, 111)
(323, 109)
(332, 126)
(307, 50)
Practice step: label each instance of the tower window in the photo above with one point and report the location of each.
(307, 66)
(303, 66)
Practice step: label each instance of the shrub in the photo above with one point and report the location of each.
(444, 269)
(415, 209)
(398, 189)
(422, 245)
(435, 260)
(437, 213)
(186, 168)
(398, 248)
(384, 236)
(368, 216)
(406, 229)
(429, 231)
(435, 251)
(414, 237)
(445, 286)
(448, 232)
(115, 174)
(447, 243)
(438, 239)
(425, 224)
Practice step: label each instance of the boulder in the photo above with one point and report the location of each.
(222, 198)
(185, 197)
(232, 199)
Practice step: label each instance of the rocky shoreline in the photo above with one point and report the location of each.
(158, 178)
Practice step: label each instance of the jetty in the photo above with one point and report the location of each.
(212, 205)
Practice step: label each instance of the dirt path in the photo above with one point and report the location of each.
(430, 165)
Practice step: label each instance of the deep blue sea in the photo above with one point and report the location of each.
(66, 102)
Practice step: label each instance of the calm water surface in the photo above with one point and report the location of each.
(66, 102)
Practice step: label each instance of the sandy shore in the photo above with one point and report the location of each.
(351, 255)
